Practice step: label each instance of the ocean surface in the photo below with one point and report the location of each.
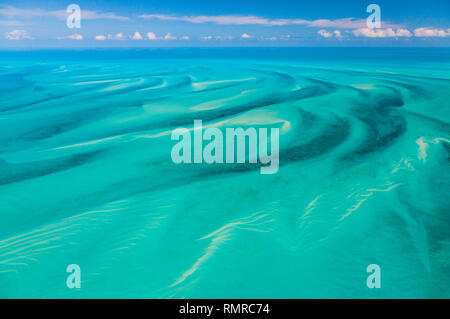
(86, 175)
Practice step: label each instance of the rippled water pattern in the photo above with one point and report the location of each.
(86, 177)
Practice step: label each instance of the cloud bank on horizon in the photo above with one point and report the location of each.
(44, 24)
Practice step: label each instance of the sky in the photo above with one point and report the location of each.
(172, 23)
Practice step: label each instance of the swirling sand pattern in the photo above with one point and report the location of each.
(86, 178)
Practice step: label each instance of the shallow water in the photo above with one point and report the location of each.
(86, 175)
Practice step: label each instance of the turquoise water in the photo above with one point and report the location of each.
(86, 175)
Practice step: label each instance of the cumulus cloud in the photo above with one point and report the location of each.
(18, 35)
(325, 33)
(218, 37)
(404, 33)
(169, 36)
(100, 37)
(119, 36)
(381, 33)
(71, 37)
(224, 37)
(345, 23)
(151, 36)
(286, 37)
(11, 11)
(329, 34)
(246, 36)
(430, 32)
(392, 33)
(137, 36)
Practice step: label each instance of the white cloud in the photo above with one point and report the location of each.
(224, 19)
(371, 33)
(286, 37)
(11, 11)
(169, 36)
(12, 23)
(151, 36)
(76, 37)
(71, 37)
(94, 15)
(185, 37)
(381, 33)
(246, 36)
(345, 23)
(404, 33)
(23, 13)
(224, 37)
(325, 33)
(218, 37)
(429, 32)
(330, 34)
(137, 36)
(18, 35)
(119, 36)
